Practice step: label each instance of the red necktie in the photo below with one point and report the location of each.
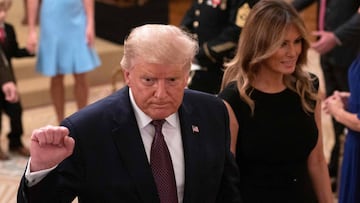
(322, 14)
(2, 35)
(162, 167)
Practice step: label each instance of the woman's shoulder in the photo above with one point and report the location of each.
(230, 93)
(229, 90)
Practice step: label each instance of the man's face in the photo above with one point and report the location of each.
(157, 89)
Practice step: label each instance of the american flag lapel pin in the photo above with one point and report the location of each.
(195, 128)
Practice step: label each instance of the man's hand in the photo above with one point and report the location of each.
(10, 92)
(49, 146)
(327, 41)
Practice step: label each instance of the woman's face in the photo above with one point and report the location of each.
(283, 61)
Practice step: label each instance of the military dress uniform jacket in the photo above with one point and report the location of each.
(217, 25)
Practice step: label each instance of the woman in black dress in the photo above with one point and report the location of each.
(275, 110)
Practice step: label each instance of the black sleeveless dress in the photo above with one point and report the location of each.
(273, 146)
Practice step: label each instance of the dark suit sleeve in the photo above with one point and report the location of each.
(45, 191)
(60, 185)
(11, 47)
(350, 30)
(230, 184)
(302, 4)
(40, 193)
(22, 192)
(32, 194)
(5, 71)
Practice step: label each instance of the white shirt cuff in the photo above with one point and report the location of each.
(32, 178)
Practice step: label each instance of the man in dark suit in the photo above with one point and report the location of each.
(104, 152)
(217, 25)
(338, 44)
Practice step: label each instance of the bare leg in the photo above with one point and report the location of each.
(24, 20)
(58, 96)
(81, 90)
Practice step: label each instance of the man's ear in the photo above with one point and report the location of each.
(126, 74)
(187, 79)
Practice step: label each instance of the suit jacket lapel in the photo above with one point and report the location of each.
(192, 151)
(128, 140)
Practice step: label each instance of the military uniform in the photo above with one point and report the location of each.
(217, 25)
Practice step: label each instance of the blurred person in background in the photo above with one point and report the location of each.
(67, 36)
(217, 25)
(10, 49)
(344, 107)
(338, 43)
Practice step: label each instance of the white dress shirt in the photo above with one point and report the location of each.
(172, 134)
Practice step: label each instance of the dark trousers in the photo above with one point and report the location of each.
(207, 81)
(336, 78)
(14, 112)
